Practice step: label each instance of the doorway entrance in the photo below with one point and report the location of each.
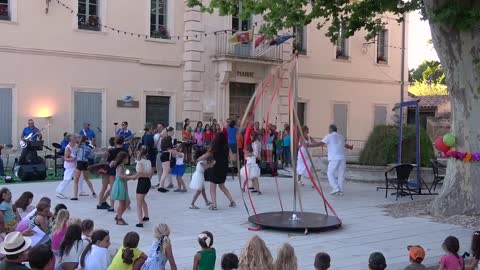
(157, 110)
(88, 109)
(240, 94)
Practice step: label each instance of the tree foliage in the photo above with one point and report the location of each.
(427, 71)
(354, 15)
(427, 79)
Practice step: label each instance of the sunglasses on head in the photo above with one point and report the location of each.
(476, 233)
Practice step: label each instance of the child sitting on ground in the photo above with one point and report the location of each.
(161, 250)
(205, 258)
(8, 218)
(87, 226)
(451, 260)
(322, 261)
(229, 261)
(475, 251)
(129, 256)
(416, 256)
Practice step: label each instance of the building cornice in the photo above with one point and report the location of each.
(91, 56)
(349, 79)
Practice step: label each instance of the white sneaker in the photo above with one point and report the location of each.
(340, 193)
(334, 193)
(83, 194)
(61, 196)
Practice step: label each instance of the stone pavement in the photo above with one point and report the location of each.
(365, 227)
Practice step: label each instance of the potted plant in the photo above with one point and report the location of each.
(93, 23)
(4, 13)
(160, 33)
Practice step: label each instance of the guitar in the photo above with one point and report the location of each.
(24, 142)
(127, 139)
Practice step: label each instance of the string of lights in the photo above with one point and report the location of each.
(195, 35)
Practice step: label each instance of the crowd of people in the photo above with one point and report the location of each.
(69, 243)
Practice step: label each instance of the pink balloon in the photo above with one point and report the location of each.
(440, 145)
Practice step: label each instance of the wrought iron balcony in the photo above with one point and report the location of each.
(264, 52)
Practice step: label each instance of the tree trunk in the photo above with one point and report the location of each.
(459, 53)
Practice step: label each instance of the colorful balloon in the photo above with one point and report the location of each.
(440, 145)
(449, 140)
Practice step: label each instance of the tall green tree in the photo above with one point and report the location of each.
(427, 79)
(455, 27)
(431, 71)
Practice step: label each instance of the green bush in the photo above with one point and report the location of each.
(382, 146)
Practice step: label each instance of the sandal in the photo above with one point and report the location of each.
(194, 207)
(122, 222)
(232, 204)
(213, 208)
(208, 203)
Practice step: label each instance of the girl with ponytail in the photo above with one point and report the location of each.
(161, 250)
(129, 257)
(95, 255)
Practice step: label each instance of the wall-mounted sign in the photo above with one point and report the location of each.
(247, 74)
(207, 116)
(128, 104)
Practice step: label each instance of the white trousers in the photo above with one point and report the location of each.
(67, 178)
(336, 174)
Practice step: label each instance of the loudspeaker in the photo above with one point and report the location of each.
(32, 172)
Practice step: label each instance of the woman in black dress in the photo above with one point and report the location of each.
(218, 174)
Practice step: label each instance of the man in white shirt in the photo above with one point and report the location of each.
(336, 145)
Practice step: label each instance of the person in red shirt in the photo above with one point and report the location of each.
(207, 135)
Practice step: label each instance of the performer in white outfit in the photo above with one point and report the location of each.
(336, 144)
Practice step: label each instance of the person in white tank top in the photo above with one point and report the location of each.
(69, 165)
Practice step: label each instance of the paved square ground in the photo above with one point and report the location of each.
(365, 227)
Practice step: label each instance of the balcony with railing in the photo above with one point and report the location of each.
(246, 51)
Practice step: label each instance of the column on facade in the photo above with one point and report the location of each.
(193, 66)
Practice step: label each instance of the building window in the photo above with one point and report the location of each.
(380, 115)
(4, 10)
(382, 47)
(301, 110)
(88, 15)
(237, 23)
(300, 39)
(342, 44)
(158, 19)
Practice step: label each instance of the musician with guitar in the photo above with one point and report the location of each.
(87, 132)
(126, 134)
(30, 133)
